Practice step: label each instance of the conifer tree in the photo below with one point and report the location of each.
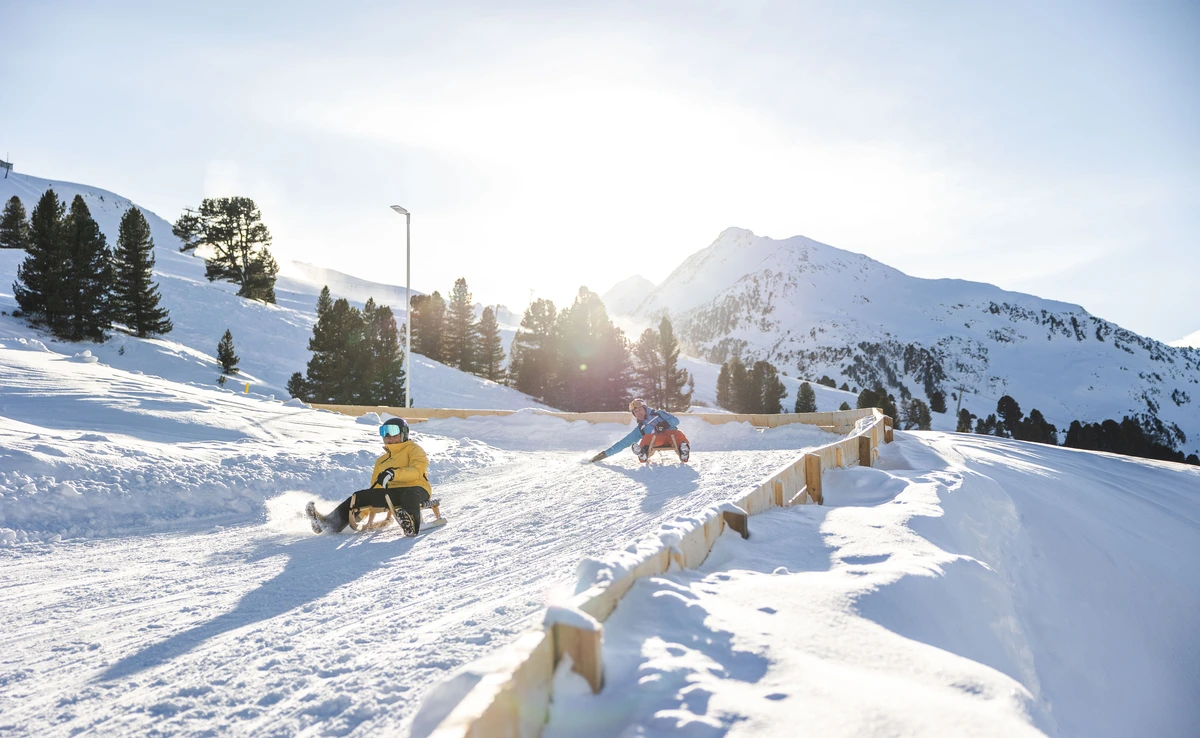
(593, 366)
(678, 385)
(1010, 415)
(383, 376)
(135, 296)
(937, 401)
(336, 371)
(88, 277)
(965, 417)
(806, 399)
(233, 228)
(14, 226)
(844, 406)
(428, 323)
(38, 288)
(647, 370)
(724, 388)
(225, 355)
(533, 359)
(460, 335)
(915, 414)
(490, 364)
(766, 389)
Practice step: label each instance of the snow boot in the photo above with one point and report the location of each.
(315, 518)
(685, 450)
(406, 523)
(643, 453)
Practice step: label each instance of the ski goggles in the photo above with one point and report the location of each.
(391, 429)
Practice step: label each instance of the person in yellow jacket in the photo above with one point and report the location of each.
(401, 473)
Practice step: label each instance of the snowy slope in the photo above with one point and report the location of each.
(159, 576)
(272, 340)
(965, 586)
(813, 309)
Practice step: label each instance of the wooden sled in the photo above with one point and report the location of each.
(672, 445)
(363, 518)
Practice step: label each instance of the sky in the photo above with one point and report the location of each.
(550, 145)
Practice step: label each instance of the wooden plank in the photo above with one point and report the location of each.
(839, 458)
(864, 450)
(887, 429)
(738, 521)
(585, 649)
(812, 477)
(777, 487)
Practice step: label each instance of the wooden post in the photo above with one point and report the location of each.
(779, 493)
(887, 429)
(840, 458)
(737, 521)
(812, 477)
(585, 649)
(864, 450)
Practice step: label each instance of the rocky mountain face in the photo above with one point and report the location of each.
(815, 309)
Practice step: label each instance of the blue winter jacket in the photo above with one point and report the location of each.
(653, 418)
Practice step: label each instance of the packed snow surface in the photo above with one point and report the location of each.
(964, 586)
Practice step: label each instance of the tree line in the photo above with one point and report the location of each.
(450, 334)
(357, 358)
(71, 282)
(577, 360)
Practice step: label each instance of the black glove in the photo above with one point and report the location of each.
(384, 477)
(661, 426)
(599, 456)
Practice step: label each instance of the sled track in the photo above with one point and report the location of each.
(266, 629)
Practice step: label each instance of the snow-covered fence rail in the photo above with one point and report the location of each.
(510, 691)
(840, 421)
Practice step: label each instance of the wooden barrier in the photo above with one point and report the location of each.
(514, 700)
(840, 421)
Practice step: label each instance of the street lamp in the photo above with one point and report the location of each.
(407, 303)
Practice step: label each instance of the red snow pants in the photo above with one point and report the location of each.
(653, 441)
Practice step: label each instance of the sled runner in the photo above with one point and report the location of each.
(363, 518)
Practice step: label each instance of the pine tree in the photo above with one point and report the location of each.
(383, 376)
(806, 399)
(14, 226)
(915, 414)
(766, 389)
(533, 359)
(490, 363)
(678, 385)
(965, 417)
(937, 401)
(89, 277)
(741, 397)
(646, 374)
(225, 355)
(1010, 415)
(724, 388)
(844, 406)
(233, 228)
(336, 372)
(593, 367)
(460, 335)
(297, 387)
(38, 288)
(135, 297)
(428, 323)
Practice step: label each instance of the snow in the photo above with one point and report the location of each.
(624, 297)
(963, 586)
(161, 578)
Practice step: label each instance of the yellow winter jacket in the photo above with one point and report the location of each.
(408, 462)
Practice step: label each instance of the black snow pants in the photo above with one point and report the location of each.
(407, 498)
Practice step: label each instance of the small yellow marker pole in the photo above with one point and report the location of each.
(247, 388)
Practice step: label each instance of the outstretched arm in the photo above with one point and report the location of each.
(629, 438)
(671, 419)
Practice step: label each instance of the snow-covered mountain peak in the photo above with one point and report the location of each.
(624, 297)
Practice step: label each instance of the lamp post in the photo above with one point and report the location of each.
(407, 303)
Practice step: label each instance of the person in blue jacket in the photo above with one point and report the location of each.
(655, 429)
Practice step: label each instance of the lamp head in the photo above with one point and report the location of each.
(400, 210)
